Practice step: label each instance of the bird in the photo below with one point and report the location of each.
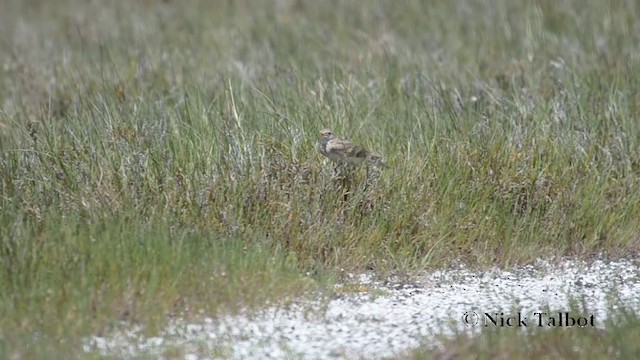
(342, 151)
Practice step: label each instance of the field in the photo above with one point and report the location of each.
(158, 158)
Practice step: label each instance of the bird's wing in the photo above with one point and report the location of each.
(345, 148)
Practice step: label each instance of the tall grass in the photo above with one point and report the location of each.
(159, 157)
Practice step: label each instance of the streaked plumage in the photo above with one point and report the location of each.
(343, 151)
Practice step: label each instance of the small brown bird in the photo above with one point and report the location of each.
(343, 151)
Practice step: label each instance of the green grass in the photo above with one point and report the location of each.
(159, 157)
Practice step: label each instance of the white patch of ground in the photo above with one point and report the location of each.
(369, 319)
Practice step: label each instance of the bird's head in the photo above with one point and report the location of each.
(326, 134)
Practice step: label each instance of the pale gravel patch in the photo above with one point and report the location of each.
(370, 319)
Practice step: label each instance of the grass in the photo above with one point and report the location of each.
(159, 157)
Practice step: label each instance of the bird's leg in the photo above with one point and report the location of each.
(336, 172)
(366, 178)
